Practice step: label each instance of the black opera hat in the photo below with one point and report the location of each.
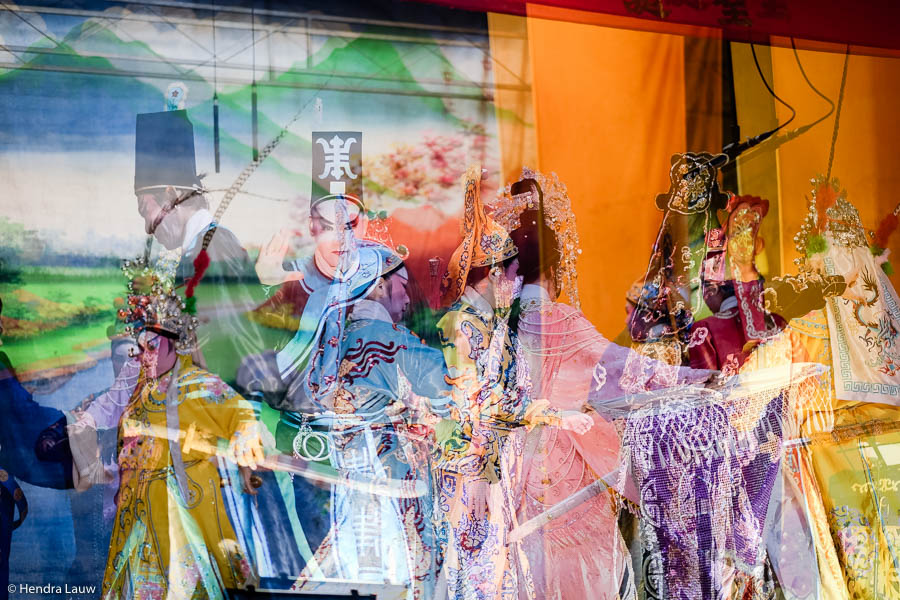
(164, 151)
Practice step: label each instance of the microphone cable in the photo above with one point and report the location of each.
(772, 92)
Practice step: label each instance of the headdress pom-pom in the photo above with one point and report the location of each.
(816, 244)
(201, 263)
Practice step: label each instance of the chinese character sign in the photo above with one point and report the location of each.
(337, 164)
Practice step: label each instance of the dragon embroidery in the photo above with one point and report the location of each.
(880, 333)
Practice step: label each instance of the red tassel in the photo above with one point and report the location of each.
(825, 199)
(885, 229)
(200, 265)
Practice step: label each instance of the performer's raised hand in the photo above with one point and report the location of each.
(270, 264)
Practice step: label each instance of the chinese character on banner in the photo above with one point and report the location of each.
(337, 165)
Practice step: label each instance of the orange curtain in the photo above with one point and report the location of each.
(610, 111)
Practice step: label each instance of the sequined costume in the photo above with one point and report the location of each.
(581, 554)
(490, 402)
(490, 398)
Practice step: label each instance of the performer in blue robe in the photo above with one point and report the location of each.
(21, 422)
(372, 386)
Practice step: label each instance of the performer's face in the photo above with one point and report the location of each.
(506, 283)
(328, 242)
(150, 205)
(157, 354)
(512, 271)
(122, 351)
(396, 298)
(322, 227)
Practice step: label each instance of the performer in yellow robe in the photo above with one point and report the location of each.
(846, 425)
(172, 537)
(853, 464)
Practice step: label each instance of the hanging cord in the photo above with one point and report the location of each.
(820, 206)
(784, 138)
(201, 262)
(772, 92)
(215, 57)
(254, 115)
(837, 116)
(731, 152)
(812, 87)
(248, 171)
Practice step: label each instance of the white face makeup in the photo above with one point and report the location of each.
(122, 351)
(323, 229)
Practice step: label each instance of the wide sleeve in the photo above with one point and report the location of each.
(459, 351)
(107, 408)
(474, 364)
(426, 371)
(625, 373)
(212, 415)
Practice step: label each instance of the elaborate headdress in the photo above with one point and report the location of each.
(484, 243)
(829, 212)
(665, 308)
(558, 215)
(154, 305)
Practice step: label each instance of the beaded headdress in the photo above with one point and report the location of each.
(154, 305)
(558, 215)
(485, 243)
(829, 212)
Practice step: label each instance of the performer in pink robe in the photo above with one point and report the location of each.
(580, 554)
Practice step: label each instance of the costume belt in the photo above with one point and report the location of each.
(304, 435)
